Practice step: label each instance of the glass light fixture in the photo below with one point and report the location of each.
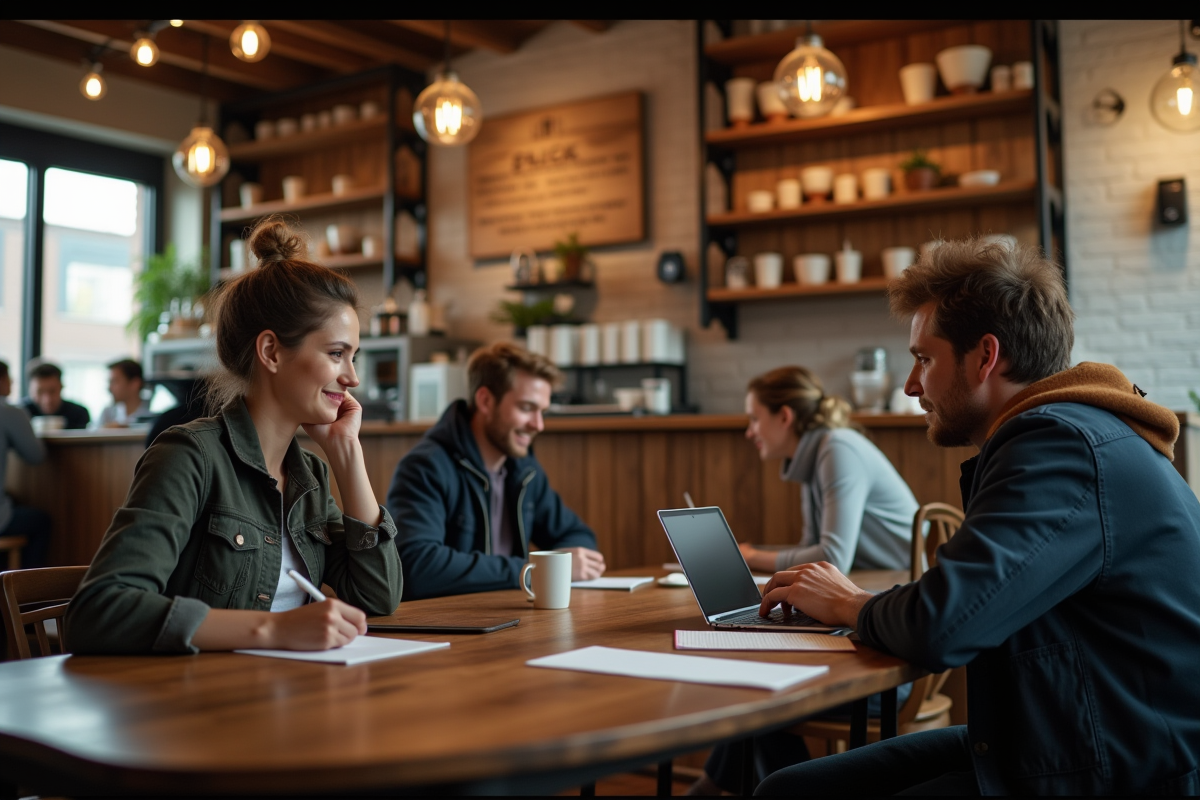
(176, 23)
(447, 112)
(250, 41)
(202, 159)
(144, 51)
(1175, 100)
(93, 86)
(810, 78)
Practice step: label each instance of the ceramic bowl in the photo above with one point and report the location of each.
(964, 68)
(811, 268)
(760, 201)
(980, 177)
(817, 182)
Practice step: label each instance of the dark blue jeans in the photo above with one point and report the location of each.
(936, 762)
(34, 525)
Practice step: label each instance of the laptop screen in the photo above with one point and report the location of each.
(710, 557)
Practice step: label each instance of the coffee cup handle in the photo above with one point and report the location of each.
(525, 571)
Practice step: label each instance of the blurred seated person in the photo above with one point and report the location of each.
(857, 509)
(470, 500)
(191, 393)
(125, 384)
(16, 434)
(45, 396)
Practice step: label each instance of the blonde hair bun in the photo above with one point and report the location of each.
(274, 240)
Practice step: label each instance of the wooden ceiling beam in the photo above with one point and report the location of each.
(75, 51)
(464, 33)
(593, 25)
(288, 45)
(186, 49)
(341, 37)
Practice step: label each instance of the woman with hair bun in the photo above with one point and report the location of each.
(857, 509)
(222, 508)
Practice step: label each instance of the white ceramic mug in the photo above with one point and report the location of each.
(787, 192)
(287, 126)
(237, 255)
(918, 82)
(370, 246)
(324, 119)
(631, 341)
(768, 270)
(293, 188)
(629, 398)
(845, 188)
(342, 184)
(562, 345)
(589, 345)
(264, 129)
(739, 101)
(1022, 75)
(877, 183)
(760, 201)
(47, 423)
(368, 109)
(770, 104)
(343, 113)
(1001, 78)
(849, 266)
(610, 351)
(896, 260)
(251, 193)
(817, 182)
(308, 122)
(657, 393)
(551, 582)
(811, 268)
(537, 339)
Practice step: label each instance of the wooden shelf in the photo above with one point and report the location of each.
(872, 118)
(774, 45)
(794, 290)
(350, 261)
(309, 140)
(354, 197)
(548, 287)
(956, 196)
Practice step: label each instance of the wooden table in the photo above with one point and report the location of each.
(470, 719)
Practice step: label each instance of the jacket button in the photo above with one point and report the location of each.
(241, 540)
(981, 748)
(264, 597)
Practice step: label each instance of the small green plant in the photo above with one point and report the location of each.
(164, 279)
(521, 316)
(571, 248)
(918, 160)
(1195, 398)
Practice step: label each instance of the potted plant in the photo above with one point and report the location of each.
(920, 174)
(550, 311)
(165, 279)
(571, 254)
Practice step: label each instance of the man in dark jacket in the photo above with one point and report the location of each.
(1070, 590)
(470, 501)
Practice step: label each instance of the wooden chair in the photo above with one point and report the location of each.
(13, 545)
(43, 594)
(926, 708)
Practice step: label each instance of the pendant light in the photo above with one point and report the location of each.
(93, 86)
(447, 113)
(810, 78)
(1175, 101)
(250, 41)
(144, 51)
(202, 158)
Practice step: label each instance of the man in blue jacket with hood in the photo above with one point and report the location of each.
(470, 501)
(1070, 592)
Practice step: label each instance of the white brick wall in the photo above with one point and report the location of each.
(1134, 286)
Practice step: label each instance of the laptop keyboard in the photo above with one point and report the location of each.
(792, 620)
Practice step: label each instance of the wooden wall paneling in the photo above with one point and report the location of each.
(781, 524)
(747, 488)
(601, 481)
(921, 467)
(718, 487)
(627, 500)
(657, 493)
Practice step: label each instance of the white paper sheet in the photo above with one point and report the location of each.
(762, 580)
(760, 640)
(671, 667)
(359, 651)
(625, 584)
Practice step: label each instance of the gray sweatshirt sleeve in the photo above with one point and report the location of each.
(843, 483)
(19, 432)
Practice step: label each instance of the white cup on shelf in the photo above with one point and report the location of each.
(811, 269)
(849, 266)
(251, 194)
(768, 270)
(877, 183)
(1001, 78)
(537, 340)
(264, 129)
(657, 393)
(787, 192)
(1022, 75)
(896, 260)
(918, 83)
(760, 201)
(739, 101)
(610, 343)
(589, 345)
(287, 126)
(293, 188)
(845, 188)
(342, 184)
(631, 341)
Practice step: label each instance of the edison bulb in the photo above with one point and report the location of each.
(144, 52)
(176, 23)
(447, 112)
(250, 41)
(202, 158)
(1174, 101)
(93, 86)
(810, 78)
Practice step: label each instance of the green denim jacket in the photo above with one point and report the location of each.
(201, 528)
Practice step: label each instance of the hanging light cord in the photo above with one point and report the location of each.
(204, 83)
(1182, 41)
(447, 46)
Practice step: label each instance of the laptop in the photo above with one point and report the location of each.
(720, 579)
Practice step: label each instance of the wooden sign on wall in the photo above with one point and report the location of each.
(538, 176)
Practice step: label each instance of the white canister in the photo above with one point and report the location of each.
(264, 129)
(368, 109)
(739, 101)
(657, 395)
(770, 104)
(341, 184)
(811, 268)
(768, 270)
(1022, 75)
(589, 344)
(1001, 78)
(343, 114)
(877, 183)
(845, 188)
(760, 201)
(293, 188)
(537, 340)
(562, 345)
(418, 314)
(656, 341)
(287, 126)
(308, 122)
(896, 260)
(251, 194)
(610, 350)
(237, 255)
(631, 342)
(918, 83)
(849, 266)
(787, 192)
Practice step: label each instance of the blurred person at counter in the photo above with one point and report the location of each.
(16, 434)
(471, 501)
(125, 384)
(45, 396)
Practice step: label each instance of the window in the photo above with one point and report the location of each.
(14, 190)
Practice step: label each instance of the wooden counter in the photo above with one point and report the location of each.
(615, 472)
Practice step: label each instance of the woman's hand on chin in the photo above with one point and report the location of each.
(343, 429)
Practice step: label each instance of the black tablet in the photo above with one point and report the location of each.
(485, 627)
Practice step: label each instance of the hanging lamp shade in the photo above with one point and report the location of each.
(811, 79)
(93, 86)
(202, 158)
(1175, 100)
(144, 52)
(250, 41)
(447, 113)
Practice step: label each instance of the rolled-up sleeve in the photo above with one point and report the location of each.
(363, 565)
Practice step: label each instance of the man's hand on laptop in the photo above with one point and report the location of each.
(586, 564)
(819, 590)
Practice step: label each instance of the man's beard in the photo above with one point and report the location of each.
(501, 438)
(956, 417)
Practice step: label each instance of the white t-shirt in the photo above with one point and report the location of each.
(288, 594)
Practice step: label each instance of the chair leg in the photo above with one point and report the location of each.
(888, 717)
(665, 778)
(14, 558)
(588, 790)
(858, 723)
(749, 781)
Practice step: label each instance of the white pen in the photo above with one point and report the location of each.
(305, 584)
(688, 499)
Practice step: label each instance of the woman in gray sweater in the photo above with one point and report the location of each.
(857, 509)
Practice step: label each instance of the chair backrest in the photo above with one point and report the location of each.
(944, 521)
(43, 594)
